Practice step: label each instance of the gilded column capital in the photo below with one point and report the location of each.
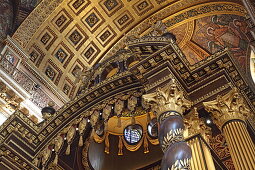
(167, 99)
(195, 125)
(228, 107)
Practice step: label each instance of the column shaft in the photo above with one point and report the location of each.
(241, 147)
(201, 155)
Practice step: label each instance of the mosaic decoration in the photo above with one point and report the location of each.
(214, 33)
(62, 20)
(123, 20)
(143, 7)
(78, 6)
(86, 16)
(211, 34)
(93, 19)
(111, 6)
(6, 19)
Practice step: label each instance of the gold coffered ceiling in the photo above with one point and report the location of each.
(64, 35)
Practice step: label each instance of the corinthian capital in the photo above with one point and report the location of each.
(167, 98)
(228, 107)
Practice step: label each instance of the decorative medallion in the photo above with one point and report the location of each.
(47, 37)
(142, 7)
(111, 6)
(90, 52)
(106, 36)
(50, 72)
(93, 19)
(77, 6)
(123, 20)
(63, 54)
(66, 89)
(77, 37)
(53, 72)
(62, 20)
(36, 55)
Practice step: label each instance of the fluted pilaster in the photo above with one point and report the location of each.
(230, 113)
(201, 155)
(198, 134)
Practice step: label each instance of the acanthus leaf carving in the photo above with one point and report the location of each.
(228, 107)
(167, 98)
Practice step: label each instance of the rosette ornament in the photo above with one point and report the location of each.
(169, 104)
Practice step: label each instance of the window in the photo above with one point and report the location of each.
(133, 134)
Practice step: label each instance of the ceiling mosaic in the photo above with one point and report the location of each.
(62, 37)
(6, 19)
(203, 37)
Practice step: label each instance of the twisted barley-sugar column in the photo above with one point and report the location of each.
(230, 113)
(169, 104)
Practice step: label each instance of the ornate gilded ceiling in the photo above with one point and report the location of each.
(64, 36)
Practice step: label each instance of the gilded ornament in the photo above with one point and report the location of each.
(132, 101)
(167, 98)
(228, 107)
(181, 165)
(172, 137)
(195, 125)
